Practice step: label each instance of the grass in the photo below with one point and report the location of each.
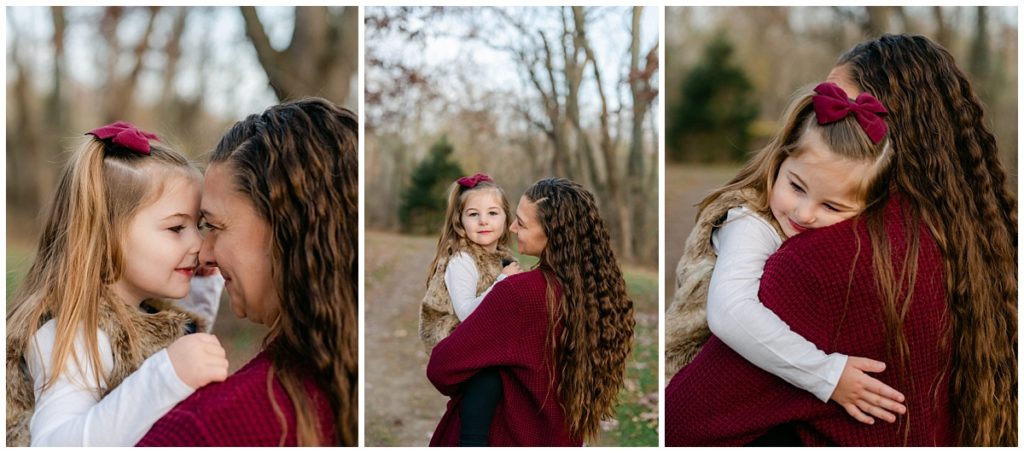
(637, 413)
(19, 258)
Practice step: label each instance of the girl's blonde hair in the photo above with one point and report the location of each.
(453, 233)
(80, 252)
(845, 138)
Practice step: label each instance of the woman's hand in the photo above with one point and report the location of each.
(512, 269)
(198, 359)
(865, 397)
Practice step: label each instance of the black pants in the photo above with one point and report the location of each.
(480, 397)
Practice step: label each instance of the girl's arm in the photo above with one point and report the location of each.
(461, 277)
(488, 338)
(70, 412)
(742, 322)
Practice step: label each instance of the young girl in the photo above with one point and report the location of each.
(92, 357)
(821, 169)
(472, 255)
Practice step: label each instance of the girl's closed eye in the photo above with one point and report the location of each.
(177, 228)
(796, 187)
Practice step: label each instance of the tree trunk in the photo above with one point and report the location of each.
(321, 58)
(621, 214)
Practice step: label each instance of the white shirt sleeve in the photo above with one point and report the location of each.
(203, 298)
(740, 320)
(70, 412)
(461, 277)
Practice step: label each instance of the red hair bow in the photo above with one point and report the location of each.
(831, 104)
(125, 135)
(470, 182)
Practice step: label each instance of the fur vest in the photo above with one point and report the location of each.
(686, 322)
(156, 329)
(437, 314)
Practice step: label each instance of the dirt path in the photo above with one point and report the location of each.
(685, 186)
(402, 408)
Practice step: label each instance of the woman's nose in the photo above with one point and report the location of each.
(206, 257)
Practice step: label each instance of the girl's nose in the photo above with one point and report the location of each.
(804, 214)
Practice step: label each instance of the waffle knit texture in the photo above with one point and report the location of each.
(237, 412)
(720, 399)
(506, 331)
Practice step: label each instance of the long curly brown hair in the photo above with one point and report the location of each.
(298, 163)
(595, 310)
(947, 167)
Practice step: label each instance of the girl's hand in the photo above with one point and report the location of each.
(511, 269)
(198, 359)
(862, 395)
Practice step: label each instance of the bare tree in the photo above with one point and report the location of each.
(321, 58)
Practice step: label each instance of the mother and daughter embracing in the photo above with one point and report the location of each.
(100, 353)
(529, 358)
(873, 234)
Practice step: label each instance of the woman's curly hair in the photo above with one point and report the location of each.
(947, 166)
(298, 163)
(595, 310)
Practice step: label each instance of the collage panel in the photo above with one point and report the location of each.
(511, 226)
(840, 215)
(182, 226)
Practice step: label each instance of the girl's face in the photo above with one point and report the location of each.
(529, 232)
(483, 218)
(815, 188)
(238, 243)
(162, 245)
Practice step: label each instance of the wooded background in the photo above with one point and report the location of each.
(521, 94)
(185, 73)
(753, 58)
(773, 51)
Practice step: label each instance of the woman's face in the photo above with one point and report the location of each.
(238, 243)
(529, 232)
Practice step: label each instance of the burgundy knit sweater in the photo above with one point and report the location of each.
(721, 399)
(506, 331)
(237, 412)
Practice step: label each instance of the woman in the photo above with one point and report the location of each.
(280, 204)
(559, 334)
(961, 282)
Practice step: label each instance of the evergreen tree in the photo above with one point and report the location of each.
(423, 202)
(711, 121)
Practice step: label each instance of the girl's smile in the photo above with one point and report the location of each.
(815, 187)
(483, 218)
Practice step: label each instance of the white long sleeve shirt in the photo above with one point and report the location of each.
(461, 277)
(740, 320)
(71, 413)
